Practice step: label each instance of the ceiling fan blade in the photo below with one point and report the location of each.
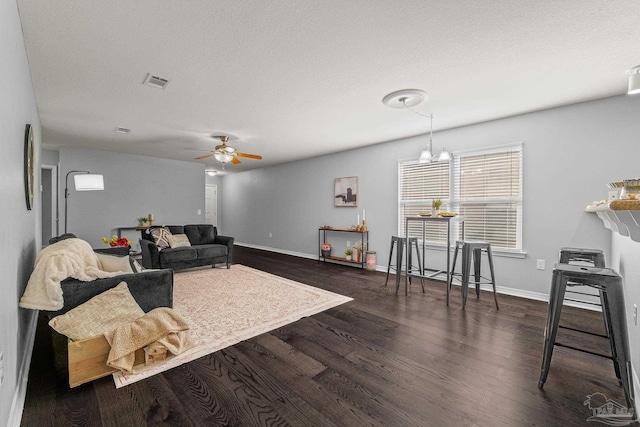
(235, 161)
(249, 156)
(206, 156)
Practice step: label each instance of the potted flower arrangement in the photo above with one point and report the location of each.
(116, 241)
(435, 207)
(326, 250)
(348, 253)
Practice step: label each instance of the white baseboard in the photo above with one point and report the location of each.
(17, 406)
(537, 296)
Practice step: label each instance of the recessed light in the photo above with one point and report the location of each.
(121, 130)
(211, 172)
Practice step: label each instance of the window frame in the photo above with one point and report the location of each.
(454, 202)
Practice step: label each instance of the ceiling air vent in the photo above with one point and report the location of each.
(156, 81)
(121, 130)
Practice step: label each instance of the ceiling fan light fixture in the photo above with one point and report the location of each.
(223, 157)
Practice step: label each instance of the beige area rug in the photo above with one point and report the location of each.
(226, 306)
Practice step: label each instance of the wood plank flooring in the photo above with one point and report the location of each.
(380, 360)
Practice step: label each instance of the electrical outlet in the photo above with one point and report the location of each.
(270, 234)
(348, 243)
(540, 264)
(635, 314)
(1, 367)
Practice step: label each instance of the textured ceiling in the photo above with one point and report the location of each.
(292, 79)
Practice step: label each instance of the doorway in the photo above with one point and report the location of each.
(211, 204)
(49, 197)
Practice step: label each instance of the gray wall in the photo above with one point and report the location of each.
(625, 255)
(49, 157)
(135, 186)
(570, 154)
(20, 238)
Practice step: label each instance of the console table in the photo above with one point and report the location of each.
(137, 228)
(322, 238)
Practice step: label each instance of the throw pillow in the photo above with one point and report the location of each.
(112, 263)
(100, 315)
(178, 240)
(160, 237)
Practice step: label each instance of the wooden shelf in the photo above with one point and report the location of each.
(341, 259)
(624, 222)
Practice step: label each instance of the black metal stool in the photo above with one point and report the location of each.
(609, 284)
(474, 248)
(595, 257)
(397, 267)
(592, 258)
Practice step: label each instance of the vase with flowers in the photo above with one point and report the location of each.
(326, 250)
(116, 241)
(435, 207)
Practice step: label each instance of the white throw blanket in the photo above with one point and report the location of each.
(67, 258)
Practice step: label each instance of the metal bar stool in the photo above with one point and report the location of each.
(474, 248)
(609, 283)
(594, 258)
(397, 267)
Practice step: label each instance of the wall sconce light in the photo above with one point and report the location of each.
(634, 80)
(85, 182)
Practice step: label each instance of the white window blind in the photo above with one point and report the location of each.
(420, 183)
(483, 186)
(487, 191)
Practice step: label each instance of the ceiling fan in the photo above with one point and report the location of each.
(225, 154)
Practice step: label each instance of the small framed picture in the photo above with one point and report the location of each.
(346, 191)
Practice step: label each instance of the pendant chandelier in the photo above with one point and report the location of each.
(406, 99)
(426, 156)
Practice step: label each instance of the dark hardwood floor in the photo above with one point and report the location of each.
(380, 360)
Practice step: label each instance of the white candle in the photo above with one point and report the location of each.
(363, 215)
(358, 219)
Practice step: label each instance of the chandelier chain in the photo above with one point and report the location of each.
(430, 116)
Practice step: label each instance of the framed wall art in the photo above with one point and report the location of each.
(29, 178)
(346, 191)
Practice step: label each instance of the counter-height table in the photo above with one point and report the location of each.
(429, 273)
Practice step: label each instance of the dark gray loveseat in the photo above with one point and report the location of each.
(207, 248)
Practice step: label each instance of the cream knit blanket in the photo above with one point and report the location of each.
(162, 325)
(67, 258)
